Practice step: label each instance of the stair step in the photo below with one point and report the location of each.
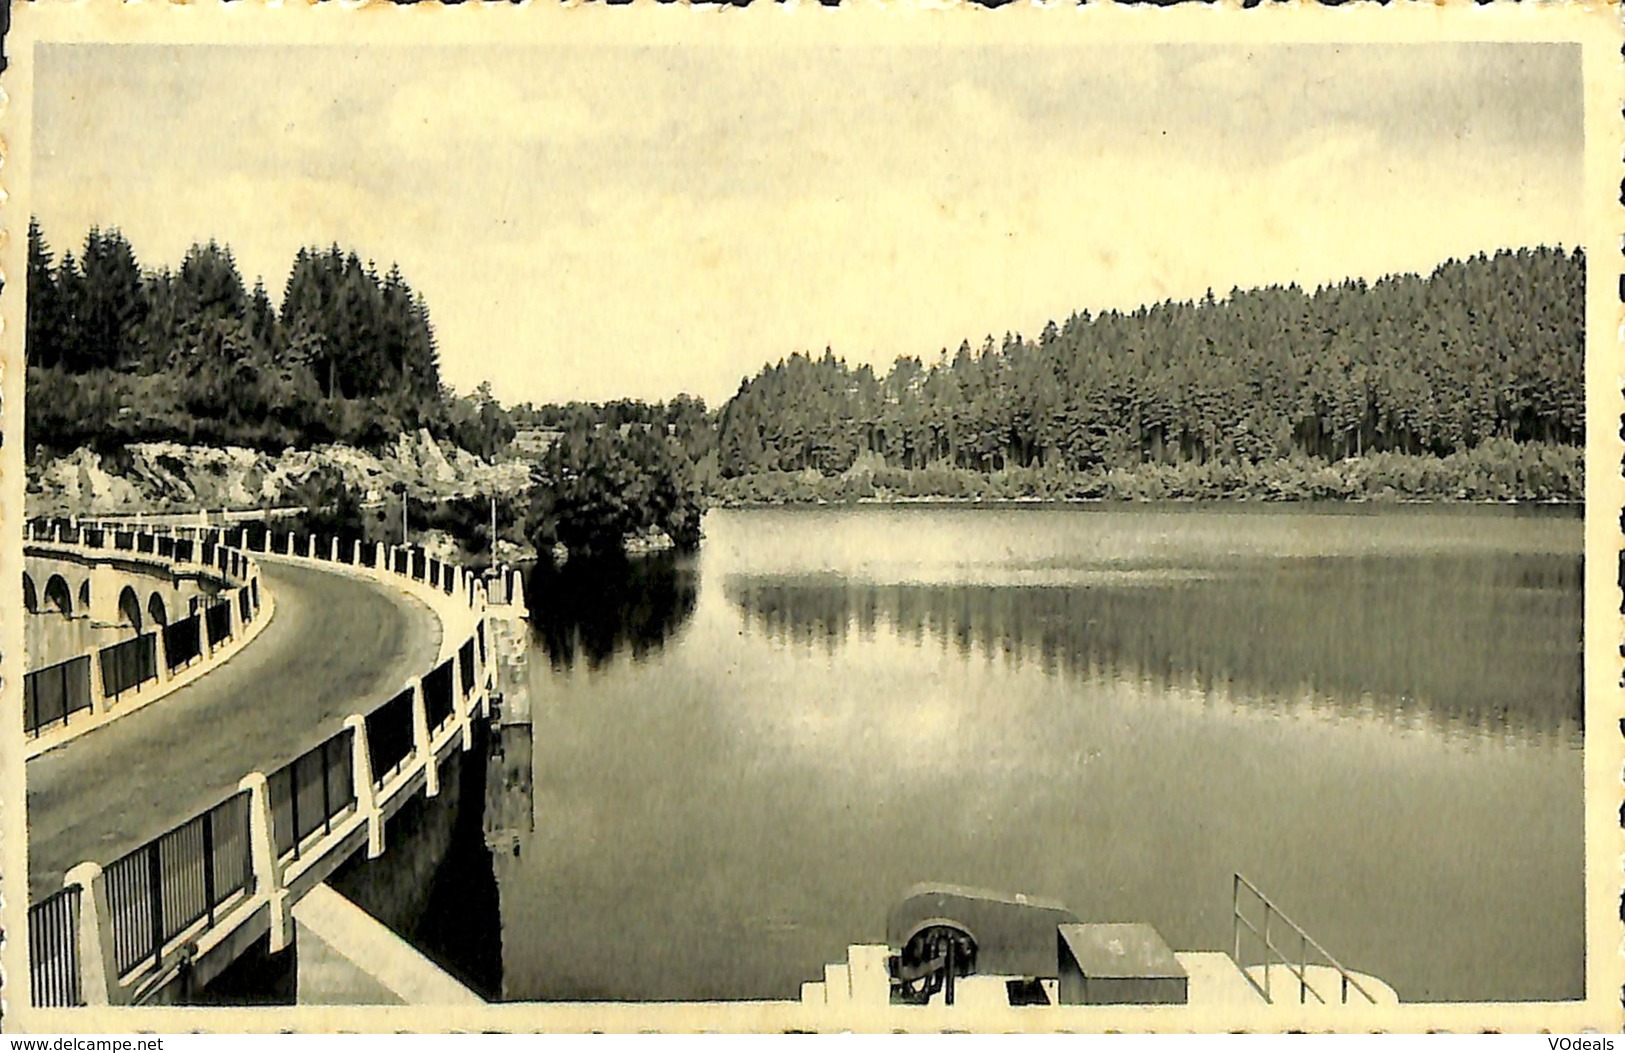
(837, 988)
(867, 973)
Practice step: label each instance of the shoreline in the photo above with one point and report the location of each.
(1131, 502)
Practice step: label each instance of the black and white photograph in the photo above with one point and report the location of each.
(794, 519)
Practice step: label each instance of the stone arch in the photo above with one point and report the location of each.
(129, 608)
(59, 596)
(157, 613)
(84, 594)
(30, 596)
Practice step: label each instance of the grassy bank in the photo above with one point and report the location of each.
(1493, 471)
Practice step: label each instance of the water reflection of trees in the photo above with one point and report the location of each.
(588, 611)
(1470, 644)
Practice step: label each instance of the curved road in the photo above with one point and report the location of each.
(335, 645)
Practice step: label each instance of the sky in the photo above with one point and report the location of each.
(595, 221)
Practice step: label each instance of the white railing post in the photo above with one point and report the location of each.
(333, 551)
(160, 654)
(267, 869)
(98, 970)
(422, 744)
(366, 796)
(98, 684)
(378, 556)
(516, 593)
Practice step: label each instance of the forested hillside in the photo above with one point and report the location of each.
(1490, 348)
(119, 354)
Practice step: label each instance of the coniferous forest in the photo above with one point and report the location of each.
(1489, 348)
(117, 353)
(1467, 382)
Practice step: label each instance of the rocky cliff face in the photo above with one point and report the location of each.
(162, 476)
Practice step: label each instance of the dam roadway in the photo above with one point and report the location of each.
(337, 644)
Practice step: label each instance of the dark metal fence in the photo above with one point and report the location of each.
(401, 562)
(184, 548)
(55, 693)
(144, 542)
(479, 634)
(167, 885)
(217, 618)
(465, 661)
(129, 664)
(311, 793)
(437, 700)
(389, 735)
(207, 555)
(53, 950)
(91, 537)
(420, 563)
(166, 547)
(245, 606)
(369, 554)
(182, 642)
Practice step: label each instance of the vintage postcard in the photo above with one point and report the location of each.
(878, 518)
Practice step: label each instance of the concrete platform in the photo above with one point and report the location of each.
(1215, 982)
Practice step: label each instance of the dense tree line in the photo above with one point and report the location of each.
(1487, 348)
(118, 353)
(684, 418)
(598, 486)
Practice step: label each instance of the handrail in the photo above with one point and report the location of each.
(1298, 968)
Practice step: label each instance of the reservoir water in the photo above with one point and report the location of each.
(740, 759)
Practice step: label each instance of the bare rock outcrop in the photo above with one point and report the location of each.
(168, 476)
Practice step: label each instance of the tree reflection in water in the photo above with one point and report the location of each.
(1473, 645)
(586, 611)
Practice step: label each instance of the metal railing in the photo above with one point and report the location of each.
(55, 693)
(465, 666)
(437, 694)
(183, 642)
(310, 793)
(1297, 966)
(389, 736)
(129, 664)
(172, 882)
(53, 950)
(217, 622)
